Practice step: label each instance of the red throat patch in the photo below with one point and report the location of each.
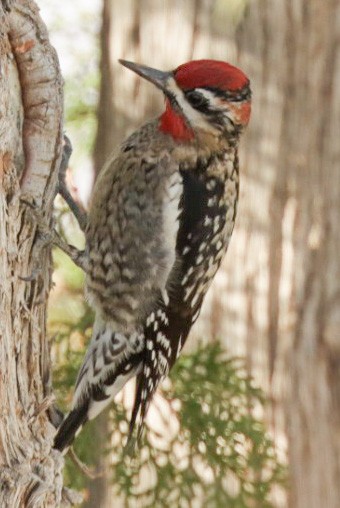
(174, 123)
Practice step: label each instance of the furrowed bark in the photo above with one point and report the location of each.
(292, 184)
(31, 116)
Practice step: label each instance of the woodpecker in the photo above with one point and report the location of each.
(160, 220)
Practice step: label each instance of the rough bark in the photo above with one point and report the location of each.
(291, 51)
(312, 405)
(31, 114)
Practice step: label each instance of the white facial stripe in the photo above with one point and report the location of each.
(219, 104)
(215, 102)
(195, 118)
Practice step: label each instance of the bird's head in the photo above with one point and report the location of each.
(202, 95)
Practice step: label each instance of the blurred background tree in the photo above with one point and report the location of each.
(276, 301)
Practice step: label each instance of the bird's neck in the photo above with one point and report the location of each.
(174, 123)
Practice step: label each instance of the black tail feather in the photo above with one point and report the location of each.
(136, 407)
(140, 408)
(70, 427)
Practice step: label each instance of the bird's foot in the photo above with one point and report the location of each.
(47, 235)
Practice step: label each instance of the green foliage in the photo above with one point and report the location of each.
(221, 455)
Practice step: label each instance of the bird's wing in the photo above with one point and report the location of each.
(131, 240)
(131, 236)
(205, 225)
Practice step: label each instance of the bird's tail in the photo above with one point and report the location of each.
(70, 427)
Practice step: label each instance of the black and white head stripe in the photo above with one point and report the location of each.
(208, 108)
(241, 94)
(205, 99)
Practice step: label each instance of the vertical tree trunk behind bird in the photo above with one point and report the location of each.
(289, 232)
(281, 277)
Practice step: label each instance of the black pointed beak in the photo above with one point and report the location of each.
(158, 78)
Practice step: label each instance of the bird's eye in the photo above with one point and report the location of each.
(196, 99)
(241, 95)
(236, 98)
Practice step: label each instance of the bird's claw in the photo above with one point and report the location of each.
(43, 232)
(47, 235)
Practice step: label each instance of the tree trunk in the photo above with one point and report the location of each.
(290, 231)
(31, 114)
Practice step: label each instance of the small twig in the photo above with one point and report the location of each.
(79, 215)
(62, 187)
(78, 256)
(83, 467)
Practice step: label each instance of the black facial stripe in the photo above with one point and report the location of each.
(241, 94)
(198, 101)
